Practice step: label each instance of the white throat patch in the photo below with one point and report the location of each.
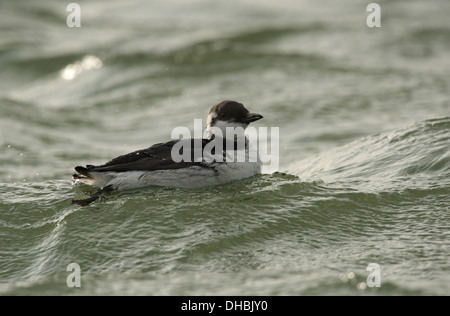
(224, 127)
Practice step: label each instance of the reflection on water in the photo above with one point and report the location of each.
(71, 71)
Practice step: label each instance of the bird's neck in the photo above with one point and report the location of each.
(226, 132)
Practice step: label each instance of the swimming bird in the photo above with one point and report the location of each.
(185, 163)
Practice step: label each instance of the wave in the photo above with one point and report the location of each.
(416, 156)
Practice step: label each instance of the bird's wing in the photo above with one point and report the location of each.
(156, 157)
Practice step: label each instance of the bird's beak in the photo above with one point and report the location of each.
(252, 117)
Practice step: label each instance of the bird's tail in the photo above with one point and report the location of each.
(83, 173)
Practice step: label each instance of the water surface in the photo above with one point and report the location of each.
(364, 147)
